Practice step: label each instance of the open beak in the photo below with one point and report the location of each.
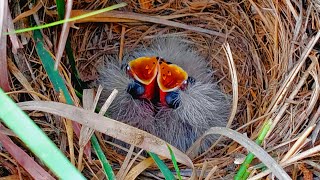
(170, 79)
(144, 71)
(156, 80)
(170, 76)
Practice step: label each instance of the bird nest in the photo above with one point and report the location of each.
(263, 53)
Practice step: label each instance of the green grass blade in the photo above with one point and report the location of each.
(175, 164)
(242, 172)
(79, 85)
(163, 168)
(244, 166)
(35, 139)
(48, 64)
(69, 20)
(58, 81)
(58, 84)
(61, 8)
(246, 175)
(107, 167)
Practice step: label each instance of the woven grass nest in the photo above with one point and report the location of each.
(264, 55)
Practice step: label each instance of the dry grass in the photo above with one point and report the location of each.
(273, 44)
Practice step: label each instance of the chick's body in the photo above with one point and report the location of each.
(201, 104)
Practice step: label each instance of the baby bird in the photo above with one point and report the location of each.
(167, 90)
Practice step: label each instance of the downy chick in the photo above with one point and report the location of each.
(167, 90)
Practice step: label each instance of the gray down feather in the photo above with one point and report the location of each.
(202, 104)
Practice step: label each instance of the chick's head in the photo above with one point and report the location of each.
(167, 90)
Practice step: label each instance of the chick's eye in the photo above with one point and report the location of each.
(191, 80)
(123, 66)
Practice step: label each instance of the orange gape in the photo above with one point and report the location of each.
(144, 70)
(170, 77)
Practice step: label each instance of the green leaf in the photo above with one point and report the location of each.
(48, 64)
(79, 85)
(35, 139)
(68, 20)
(54, 76)
(58, 84)
(61, 8)
(105, 164)
(174, 161)
(163, 168)
(243, 172)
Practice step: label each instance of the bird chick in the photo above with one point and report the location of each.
(167, 90)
